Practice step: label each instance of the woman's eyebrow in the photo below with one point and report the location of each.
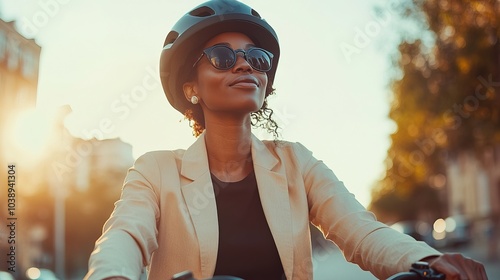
(223, 44)
(229, 45)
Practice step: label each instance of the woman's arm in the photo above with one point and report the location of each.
(130, 235)
(365, 241)
(372, 245)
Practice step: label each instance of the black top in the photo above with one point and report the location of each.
(246, 246)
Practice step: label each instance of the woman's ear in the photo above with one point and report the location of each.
(189, 90)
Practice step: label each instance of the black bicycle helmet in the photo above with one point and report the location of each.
(197, 27)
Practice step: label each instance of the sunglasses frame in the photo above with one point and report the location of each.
(207, 51)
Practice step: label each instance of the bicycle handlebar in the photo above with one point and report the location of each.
(418, 271)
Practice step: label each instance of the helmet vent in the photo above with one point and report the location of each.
(171, 37)
(202, 12)
(255, 14)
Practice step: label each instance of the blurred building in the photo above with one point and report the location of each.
(75, 162)
(474, 194)
(66, 194)
(109, 158)
(65, 191)
(474, 184)
(84, 178)
(19, 67)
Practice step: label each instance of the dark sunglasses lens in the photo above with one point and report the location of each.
(222, 57)
(259, 59)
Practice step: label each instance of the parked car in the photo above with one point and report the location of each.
(452, 231)
(419, 230)
(458, 231)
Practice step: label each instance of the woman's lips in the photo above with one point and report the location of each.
(245, 82)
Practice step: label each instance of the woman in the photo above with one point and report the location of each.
(231, 204)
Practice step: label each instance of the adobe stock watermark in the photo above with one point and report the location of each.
(364, 36)
(47, 9)
(283, 116)
(201, 199)
(122, 108)
(453, 119)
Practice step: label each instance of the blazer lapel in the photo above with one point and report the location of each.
(273, 192)
(200, 199)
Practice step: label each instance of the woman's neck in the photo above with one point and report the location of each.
(229, 149)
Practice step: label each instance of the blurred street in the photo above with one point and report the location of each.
(333, 266)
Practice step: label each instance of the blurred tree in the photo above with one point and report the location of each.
(445, 99)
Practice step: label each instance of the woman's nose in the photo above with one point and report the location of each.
(242, 64)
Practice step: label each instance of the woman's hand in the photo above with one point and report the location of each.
(457, 267)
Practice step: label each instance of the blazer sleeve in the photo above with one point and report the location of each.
(363, 240)
(130, 234)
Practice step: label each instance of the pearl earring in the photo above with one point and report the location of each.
(194, 99)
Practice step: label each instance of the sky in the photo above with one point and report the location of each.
(101, 58)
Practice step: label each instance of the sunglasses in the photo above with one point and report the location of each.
(223, 57)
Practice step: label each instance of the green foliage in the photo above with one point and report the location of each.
(446, 98)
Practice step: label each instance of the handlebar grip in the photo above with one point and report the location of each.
(425, 271)
(419, 271)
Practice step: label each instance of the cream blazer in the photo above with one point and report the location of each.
(166, 218)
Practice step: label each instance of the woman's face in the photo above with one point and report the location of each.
(239, 90)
